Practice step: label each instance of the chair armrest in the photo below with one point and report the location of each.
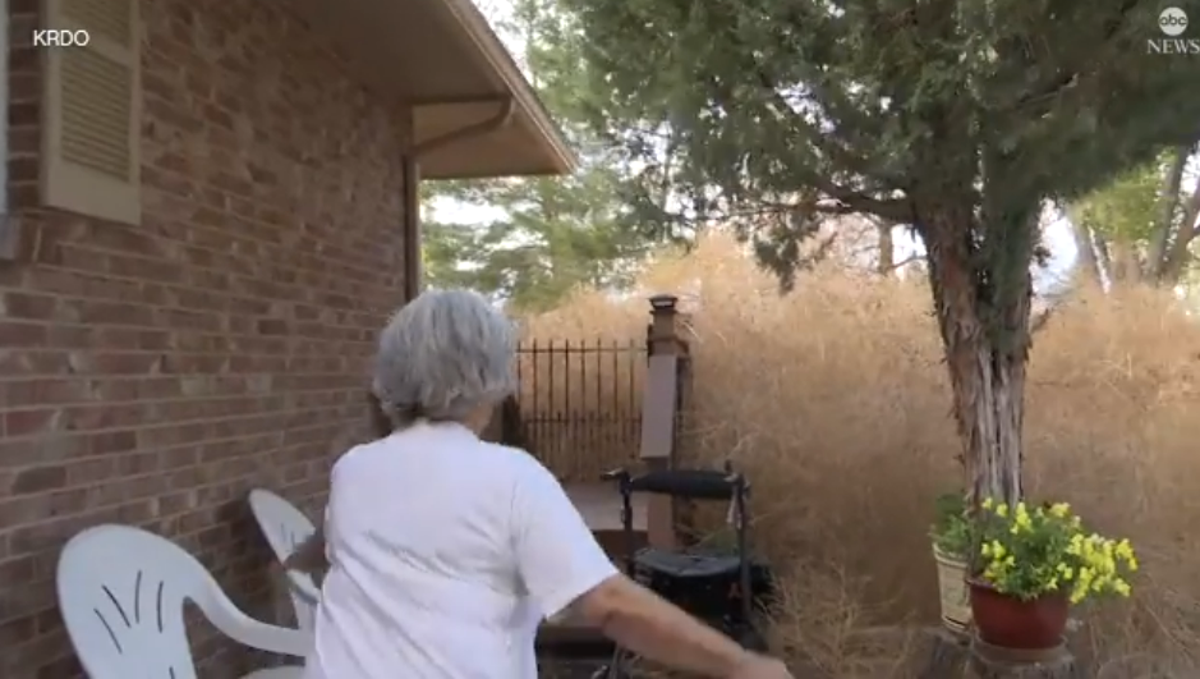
(304, 587)
(233, 623)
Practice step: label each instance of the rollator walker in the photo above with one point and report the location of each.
(726, 590)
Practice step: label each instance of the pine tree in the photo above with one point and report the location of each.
(551, 234)
(960, 118)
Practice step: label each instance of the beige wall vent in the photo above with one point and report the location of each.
(92, 122)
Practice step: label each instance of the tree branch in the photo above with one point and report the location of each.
(904, 262)
(1043, 95)
(849, 200)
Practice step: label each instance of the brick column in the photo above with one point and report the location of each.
(663, 332)
(665, 350)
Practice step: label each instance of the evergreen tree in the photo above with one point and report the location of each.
(958, 117)
(551, 233)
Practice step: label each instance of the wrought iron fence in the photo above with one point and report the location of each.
(579, 404)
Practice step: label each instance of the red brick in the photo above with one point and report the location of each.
(25, 422)
(38, 479)
(154, 374)
(18, 334)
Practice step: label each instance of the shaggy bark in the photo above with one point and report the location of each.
(985, 331)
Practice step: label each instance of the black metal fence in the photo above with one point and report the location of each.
(579, 404)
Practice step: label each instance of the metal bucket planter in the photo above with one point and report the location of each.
(955, 594)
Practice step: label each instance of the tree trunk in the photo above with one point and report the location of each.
(957, 657)
(1180, 256)
(1103, 257)
(1125, 268)
(1168, 204)
(887, 248)
(1085, 247)
(992, 662)
(985, 332)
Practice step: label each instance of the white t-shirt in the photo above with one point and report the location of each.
(446, 552)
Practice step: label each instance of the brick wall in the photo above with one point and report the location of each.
(154, 374)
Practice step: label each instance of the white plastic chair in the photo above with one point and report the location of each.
(285, 528)
(121, 591)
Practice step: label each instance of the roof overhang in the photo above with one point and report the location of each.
(474, 114)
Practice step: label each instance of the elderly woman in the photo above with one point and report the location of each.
(445, 552)
(309, 556)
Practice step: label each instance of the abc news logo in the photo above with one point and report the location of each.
(1173, 22)
(60, 37)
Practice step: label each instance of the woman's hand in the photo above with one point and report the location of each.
(757, 666)
(309, 557)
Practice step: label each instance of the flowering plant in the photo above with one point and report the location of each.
(951, 529)
(1032, 553)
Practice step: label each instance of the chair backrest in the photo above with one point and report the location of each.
(285, 528)
(121, 592)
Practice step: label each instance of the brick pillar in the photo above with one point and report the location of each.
(663, 332)
(665, 350)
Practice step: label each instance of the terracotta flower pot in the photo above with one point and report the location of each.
(1009, 622)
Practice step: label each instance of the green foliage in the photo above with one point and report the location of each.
(1125, 208)
(1047, 551)
(554, 234)
(968, 111)
(551, 234)
(1143, 223)
(951, 530)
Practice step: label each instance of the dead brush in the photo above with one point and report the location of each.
(839, 395)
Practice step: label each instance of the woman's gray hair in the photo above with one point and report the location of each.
(442, 356)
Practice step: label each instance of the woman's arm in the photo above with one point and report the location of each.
(650, 626)
(566, 571)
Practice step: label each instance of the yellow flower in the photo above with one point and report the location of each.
(1022, 520)
(1075, 548)
(988, 551)
(1124, 551)
(1079, 564)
